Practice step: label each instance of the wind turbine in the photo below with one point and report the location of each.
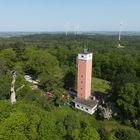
(77, 29)
(120, 31)
(66, 28)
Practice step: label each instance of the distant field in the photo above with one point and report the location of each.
(100, 85)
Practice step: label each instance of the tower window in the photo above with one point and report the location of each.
(82, 76)
(81, 88)
(82, 56)
(81, 82)
(86, 109)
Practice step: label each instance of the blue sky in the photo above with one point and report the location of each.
(61, 15)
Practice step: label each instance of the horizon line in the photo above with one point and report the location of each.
(65, 31)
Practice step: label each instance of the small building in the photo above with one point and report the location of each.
(88, 106)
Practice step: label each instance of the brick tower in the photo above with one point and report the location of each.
(84, 101)
(84, 74)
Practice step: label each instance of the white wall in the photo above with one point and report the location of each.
(83, 56)
(84, 108)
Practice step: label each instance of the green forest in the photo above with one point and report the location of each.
(50, 59)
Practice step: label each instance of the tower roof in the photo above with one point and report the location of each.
(89, 103)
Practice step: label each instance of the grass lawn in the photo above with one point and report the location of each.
(100, 85)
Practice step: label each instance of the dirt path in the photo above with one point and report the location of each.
(13, 93)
